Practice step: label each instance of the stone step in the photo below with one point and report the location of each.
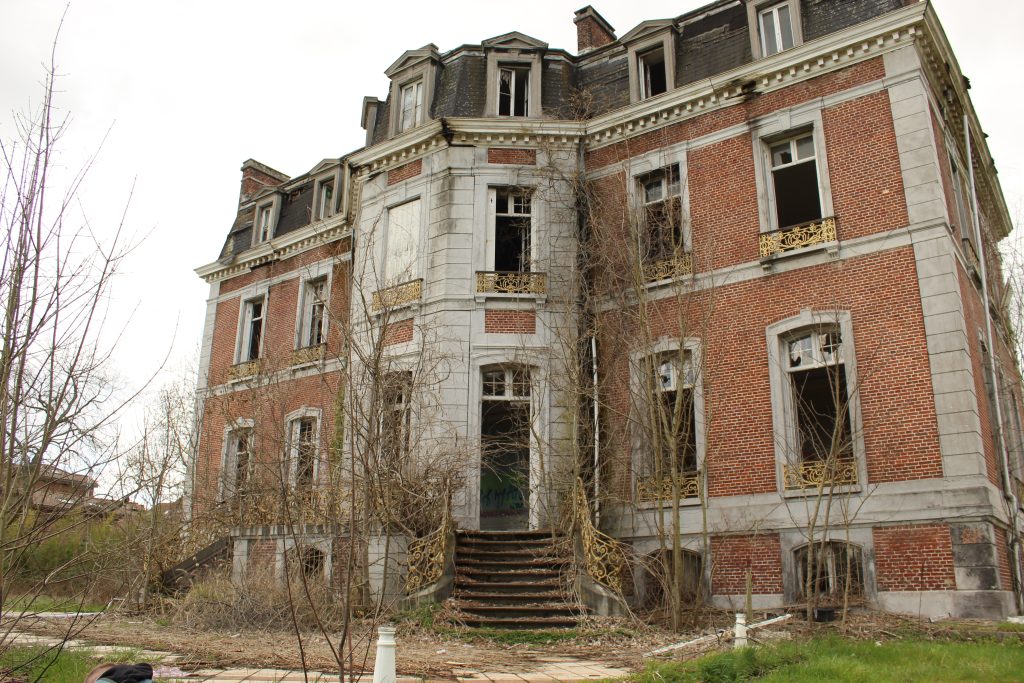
(508, 565)
(488, 575)
(507, 587)
(545, 611)
(503, 554)
(518, 535)
(527, 624)
(518, 598)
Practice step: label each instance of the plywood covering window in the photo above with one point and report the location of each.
(402, 247)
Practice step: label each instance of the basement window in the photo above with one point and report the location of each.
(653, 73)
(831, 570)
(794, 170)
(776, 29)
(512, 226)
(514, 90)
(313, 562)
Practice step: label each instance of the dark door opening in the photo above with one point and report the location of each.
(504, 465)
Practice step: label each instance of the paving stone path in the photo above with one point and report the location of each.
(549, 669)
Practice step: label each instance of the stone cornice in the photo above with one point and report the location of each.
(303, 239)
(858, 43)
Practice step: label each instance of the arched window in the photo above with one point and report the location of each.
(831, 570)
(658, 576)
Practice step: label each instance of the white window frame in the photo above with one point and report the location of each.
(266, 209)
(412, 270)
(415, 87)
(419, 65)
(491, 239)
(662, 40)
(784, 418)
(513, 69)
(229, 457)
(293, 421)
(640, 387)
(321, 272)
(501, 59)
(245, 328)
(792, 142)
(779, 126)
(756, 8)
(325, 207)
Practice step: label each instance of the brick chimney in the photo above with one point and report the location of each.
(592, 30)
(255, 177)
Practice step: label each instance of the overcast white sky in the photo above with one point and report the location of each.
(189, 90)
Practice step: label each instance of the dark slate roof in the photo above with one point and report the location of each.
(821, 17)
(557, 89)
(462, 87)
(296, 209)
(606, 82)
(713, 44)
(240, 237)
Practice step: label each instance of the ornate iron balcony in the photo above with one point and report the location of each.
(308, 354)
(399, 295)
(654, 488)
(815, 473)
(798, 237)
(243, 370)
(510, 282)
(670, 268)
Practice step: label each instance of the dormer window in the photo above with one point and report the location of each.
(264, 227)
(774, 26)
(412, 106)
(776, 29)
(325, 199)
(653, 75)
(514, 90)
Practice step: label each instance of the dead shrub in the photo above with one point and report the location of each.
(259, 600)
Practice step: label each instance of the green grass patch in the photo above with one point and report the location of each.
(842, 660)
(46, 603)
(1010, 627)
(65, 666)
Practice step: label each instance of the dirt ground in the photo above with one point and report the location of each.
(437, 655)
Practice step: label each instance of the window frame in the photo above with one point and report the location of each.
(293, 423)
(303, 315)
(265, 209)
(784, 418)
(404, 409)
(417, 111)
(784, 125)
(644, 388)
(662, 39)
(491, 237)
(755, 9)
(641, 181)
(229, 458)
(414, 65)
(414, 269)
(498, 59)
(332, 179)
(244, 336)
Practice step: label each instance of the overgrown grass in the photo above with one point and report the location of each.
(46, 603)
(65, 666)
(841, 660)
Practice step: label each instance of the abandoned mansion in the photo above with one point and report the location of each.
(715, 304)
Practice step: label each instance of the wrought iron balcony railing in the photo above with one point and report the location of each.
(510, 282)
(399, 295)
(670, 268)
(308, 354)
(243, 370)
(815, 473)
(267, 505)
(650, 489)
(798, 237)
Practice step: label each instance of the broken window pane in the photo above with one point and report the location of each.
(662, 238)
(255, 330)
(396, 416)
(836, 569)
(512, 231)
(653, 77)
(304, 434)
(795, 177)
(316, 306)
(822, 413)
(514, 91)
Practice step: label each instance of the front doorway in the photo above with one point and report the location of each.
(505, 449)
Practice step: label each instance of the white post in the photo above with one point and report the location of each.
(740, 638)
(384, 664)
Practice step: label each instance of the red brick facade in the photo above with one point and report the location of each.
(510, 322)
(398, 332)
(732, 556)
(405, 171)
(510, 155)
(914, 558)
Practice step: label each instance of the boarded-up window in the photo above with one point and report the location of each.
(403, 240)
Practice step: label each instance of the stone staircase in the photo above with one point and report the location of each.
(512, 579)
